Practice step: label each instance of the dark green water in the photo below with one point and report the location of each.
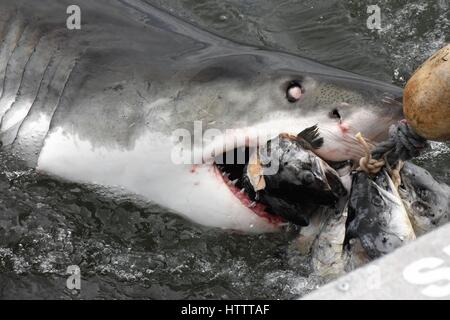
(129, 249)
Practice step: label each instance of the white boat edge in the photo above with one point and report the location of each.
(417, 271)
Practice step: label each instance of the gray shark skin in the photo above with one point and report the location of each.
(100, 104)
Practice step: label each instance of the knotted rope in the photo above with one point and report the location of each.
(403, 144)
(367, 163)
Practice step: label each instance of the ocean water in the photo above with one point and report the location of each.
(127, 248)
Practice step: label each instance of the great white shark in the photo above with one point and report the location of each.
(101, 104)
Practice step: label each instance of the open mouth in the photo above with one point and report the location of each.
(232, 172)
(286, 196)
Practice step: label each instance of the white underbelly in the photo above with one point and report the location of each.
(147, 170)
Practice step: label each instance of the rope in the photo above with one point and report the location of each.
(395, 173)
(367, 163)
(403, 144)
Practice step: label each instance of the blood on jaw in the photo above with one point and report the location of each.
(258, 209)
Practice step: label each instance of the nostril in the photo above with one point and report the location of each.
(335, 114)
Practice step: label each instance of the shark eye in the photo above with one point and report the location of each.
(294, 91)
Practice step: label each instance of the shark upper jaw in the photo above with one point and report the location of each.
(339, 139)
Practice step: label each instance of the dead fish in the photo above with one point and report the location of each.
(302, 182)
(327, 252)
(377, 216)
(309, 233)
(355, 255)
(426, 200)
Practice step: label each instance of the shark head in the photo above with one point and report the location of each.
(220, 106)
(142, 100)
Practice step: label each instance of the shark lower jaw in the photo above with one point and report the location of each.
(233, 181)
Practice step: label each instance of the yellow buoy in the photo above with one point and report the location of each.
(426, 98)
